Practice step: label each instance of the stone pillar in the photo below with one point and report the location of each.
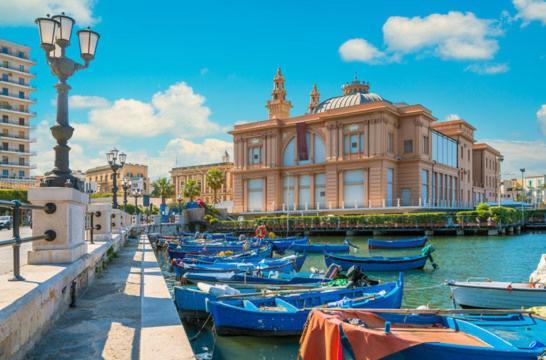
(68, 221)
(101, 221)
(116, 221)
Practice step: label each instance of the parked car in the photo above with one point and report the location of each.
(5, 222)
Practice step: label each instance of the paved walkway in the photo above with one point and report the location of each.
(6, 252)
(127, 313)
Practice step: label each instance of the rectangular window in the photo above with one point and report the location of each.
(425, 145)
(288, 190)
(5, 119)
(255, 189)
(5, 146)
(21, 161)
(5, 77)
(255, 155)
(320, 190)
(21, 94)
(21, 173)
(5, 91)
(5, 50)
(390, 142)
(22, 68)
(433, 197)
(5, 173)
(390, 186)
(5, 159)
(353, 188)
(408, 146)
(405, 197)
(22, 121)
(424, 187)
(304, 189)
(21, 81)
(21, 148)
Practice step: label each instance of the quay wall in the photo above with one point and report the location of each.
(28, 308)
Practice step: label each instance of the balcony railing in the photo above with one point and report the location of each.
(18, 110)
(16, 68)
(18, 151)
(15, 123)
(17, 83)
(17, 96)
(17, 55)
(16, 241)
(16, 137)
(17, 164)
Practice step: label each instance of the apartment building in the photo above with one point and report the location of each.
(15, 114)
(104, 177)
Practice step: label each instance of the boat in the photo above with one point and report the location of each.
(255, 255)
(319, 248)
(422, 335)
(381, 263)
(180, 267)
(487, 294)
(397, 244)
(280, 245)
(286, 315)
(182, 252)
(296, 260)
(257, 280)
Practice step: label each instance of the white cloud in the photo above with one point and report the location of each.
(24, 12)
(192, 153)
(541, 117)
(531, 10)
(87, 102)
(178, 110)
(450, 117)
(521, 154)
(360, 50)
(488, 69)
(455, 35)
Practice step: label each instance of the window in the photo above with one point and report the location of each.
(288, 190)
(21, 81)
(5, 173)
(22, 121)
(5, 159)
(425, 145)
(390, 186)
(5, 119)
(468, 154)
(255, 155)
(353, 188)
(5, 77)
(21, 161)
(318, 156)
(5, 50)
(21, 173)
(5, 146)
(424, 187)
(5, 91)
(21, 148)
(22, 68)
(320, 190)
(304, 188)
(390, 142)
(21, 94)
(255, 189)
(408, 146)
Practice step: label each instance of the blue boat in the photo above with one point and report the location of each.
(320, 248)
(255, 280)
(247, 256)
(287, 314)
(397, 244)
(280, 245)
(192, 251)
(381, 263)
(285, 266)
(424, 336)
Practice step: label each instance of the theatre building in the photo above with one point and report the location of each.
(354, 151)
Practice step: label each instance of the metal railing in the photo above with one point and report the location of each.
(16, 209)
(90, 224)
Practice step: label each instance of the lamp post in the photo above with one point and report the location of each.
(125, 185)
(55, 34)
(136, 194)
(179, 199)
(112, 157)
(500, 159)
(522, 194)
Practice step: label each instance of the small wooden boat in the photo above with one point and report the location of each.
(422, 335)
(320, 248)
(280, 245)
(182, 252)
(286, 314)
(246, 256)
(487, 294)
(397, 244)
(381, 263)
(257, 280)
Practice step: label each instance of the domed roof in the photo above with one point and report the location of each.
(354, 93)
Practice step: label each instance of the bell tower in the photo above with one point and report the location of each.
(279, 107)
(314, 98)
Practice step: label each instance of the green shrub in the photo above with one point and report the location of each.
(13, 194)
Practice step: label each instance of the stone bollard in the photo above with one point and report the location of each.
(116, 221)
(68, 222)
(101, 221)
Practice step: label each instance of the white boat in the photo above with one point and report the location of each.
(487, 294)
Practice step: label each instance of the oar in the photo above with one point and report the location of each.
(440, 311)
(279, 292)
(351, 244)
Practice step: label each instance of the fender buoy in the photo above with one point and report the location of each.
(261, 232)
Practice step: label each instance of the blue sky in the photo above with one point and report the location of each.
(171, 77)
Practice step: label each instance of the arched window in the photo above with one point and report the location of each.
(318, 156)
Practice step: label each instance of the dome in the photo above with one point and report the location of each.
(339, 102)
(354, 93)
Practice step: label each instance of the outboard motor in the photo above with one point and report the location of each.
(332, 272)
(357, 278)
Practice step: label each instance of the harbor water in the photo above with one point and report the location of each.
(503, 258)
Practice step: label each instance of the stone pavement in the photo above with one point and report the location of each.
(127, 313)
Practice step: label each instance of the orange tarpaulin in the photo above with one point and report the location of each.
(321, 338)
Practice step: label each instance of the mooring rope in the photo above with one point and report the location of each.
(194, 337)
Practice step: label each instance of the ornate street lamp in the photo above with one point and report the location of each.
(55, 33)
(125, 185)
(179, 198)
(136, 194)
(112, 157)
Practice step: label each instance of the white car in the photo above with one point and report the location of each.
(5, 222)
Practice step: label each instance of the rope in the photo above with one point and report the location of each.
(194, 337)
(424, 287)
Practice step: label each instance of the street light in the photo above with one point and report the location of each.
(55, 33)
(179, 198)
(500, 159)
(136, 194)
(112, 157)
(125, 185)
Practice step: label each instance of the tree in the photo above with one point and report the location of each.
(192, 188)
(163, 188)
(215, 180)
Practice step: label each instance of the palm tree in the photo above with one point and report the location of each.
(163, 188)
(192, 188)
(215, 180)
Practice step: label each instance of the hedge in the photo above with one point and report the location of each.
(13, 194)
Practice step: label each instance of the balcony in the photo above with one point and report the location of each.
(16, 97)
(17, 70)
(25, 86)
(18, 180)
(13, 56)
(16, 151)
(16, 125)
(14, 110)
(17, 138)
(17, 165)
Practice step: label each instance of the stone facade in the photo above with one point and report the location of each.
(103, 176)
(355, 151)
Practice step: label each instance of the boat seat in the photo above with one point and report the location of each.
(289, 307)
(249, 305)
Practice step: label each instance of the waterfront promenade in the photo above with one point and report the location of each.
(126, 314)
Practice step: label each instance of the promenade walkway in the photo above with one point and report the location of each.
(127, 313)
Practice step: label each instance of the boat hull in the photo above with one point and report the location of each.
(320, 248)
(397, 244)
(497, 298)
(413, 263)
